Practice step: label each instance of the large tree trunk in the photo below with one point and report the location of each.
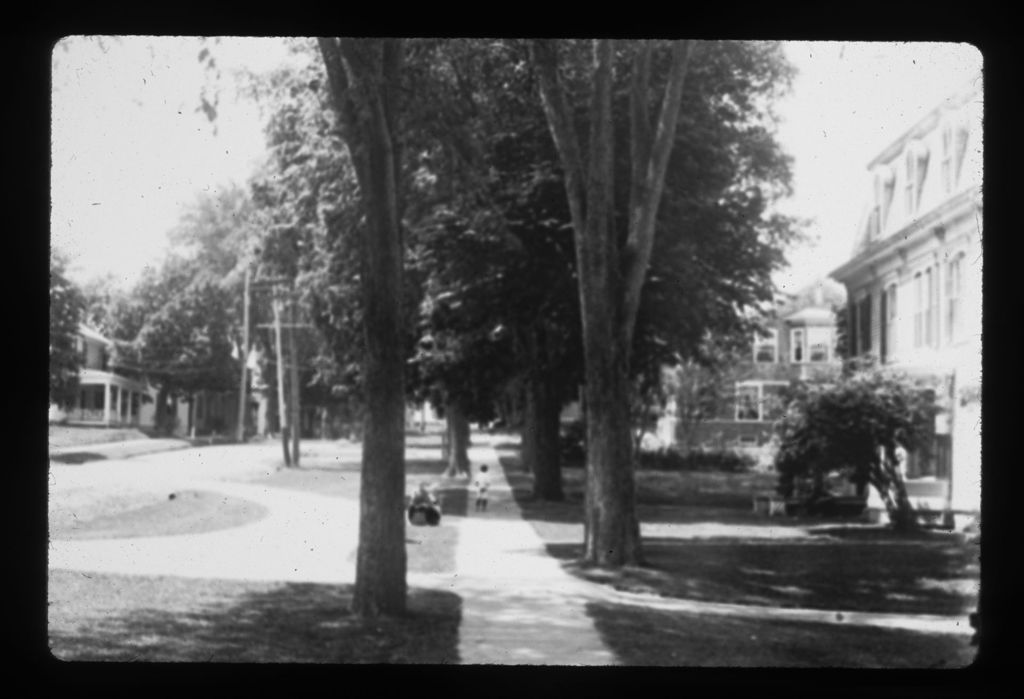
(540, 439)
(363, 76)
(457, 429)
(611, 527)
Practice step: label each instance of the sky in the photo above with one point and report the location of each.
(130, 150)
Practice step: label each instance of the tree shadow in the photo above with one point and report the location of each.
(290, 623)
(77, 457)
(652, 637)
(811, 574)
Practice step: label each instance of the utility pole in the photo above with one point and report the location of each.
(243, 385)
(296, 418)
(282, 408)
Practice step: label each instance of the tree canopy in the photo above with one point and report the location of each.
(67, 305)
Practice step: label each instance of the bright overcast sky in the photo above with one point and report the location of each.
(130, 150)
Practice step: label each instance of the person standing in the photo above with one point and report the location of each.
(482, 484)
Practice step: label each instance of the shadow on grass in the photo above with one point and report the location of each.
(907, 579)
(77, 457)
(183, 512)
(661, 638)
(221, 621)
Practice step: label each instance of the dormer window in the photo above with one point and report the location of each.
(766, 348)
(915, 168)
(910, 177)
(960, 135)
(947, 158)
(885, 187)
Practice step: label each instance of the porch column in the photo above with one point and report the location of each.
(120, 396)
(106, 402)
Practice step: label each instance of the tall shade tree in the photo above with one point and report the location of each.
(363, 77)
(611, 277)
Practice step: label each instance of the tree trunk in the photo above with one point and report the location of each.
(611, 527)
(282, 408)
(363, 77)
(296, 408)
(610, 278)
(540, 440)
(457, 427)
(160, 418)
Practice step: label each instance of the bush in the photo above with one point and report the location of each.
(674, 460)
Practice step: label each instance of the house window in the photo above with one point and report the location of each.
(851, 329)
(918, 309)
(890, 317)
(929, 311)
(819, 343)
(759, 401)
(766, 348)
(953, 290)
(864, 329)
(747, 408)
(910, 172)
(797, 345)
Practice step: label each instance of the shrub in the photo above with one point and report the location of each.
(855, 427)
(674, 460)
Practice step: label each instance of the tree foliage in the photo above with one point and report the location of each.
(67, 305)
(855, 427)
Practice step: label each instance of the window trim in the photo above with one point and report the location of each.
(828, 340)
(954, 294)
(758, 385)
(800, 345)
(759, 341)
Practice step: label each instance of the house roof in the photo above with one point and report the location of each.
(811, 316)
(90, 334)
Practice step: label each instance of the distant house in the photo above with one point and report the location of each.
(105, 396)
(109, 397)
(914, 285)
(799, 344)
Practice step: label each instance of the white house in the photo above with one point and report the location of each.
(105, 397)
(914, 286)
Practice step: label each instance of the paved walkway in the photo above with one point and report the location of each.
(519, 606)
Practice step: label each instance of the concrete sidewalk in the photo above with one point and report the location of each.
(519, 606)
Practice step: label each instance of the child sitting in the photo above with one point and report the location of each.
(424, 507)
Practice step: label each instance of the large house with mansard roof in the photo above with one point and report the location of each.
(914, 287)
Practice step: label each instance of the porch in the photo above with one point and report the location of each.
(108, 399)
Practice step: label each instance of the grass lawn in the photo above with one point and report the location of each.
(661, 638)
(846, 567)
(429, 549)
(69, 436)
(100, 617)
(150, 514)
(103, 617)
